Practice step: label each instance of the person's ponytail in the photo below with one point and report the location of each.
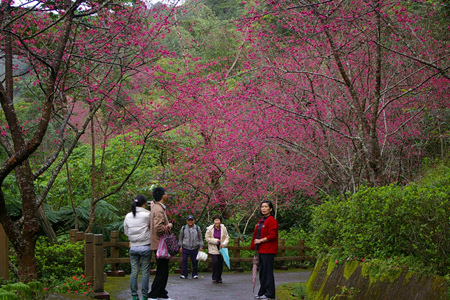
(139, 200)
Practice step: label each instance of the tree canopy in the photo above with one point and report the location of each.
(225, 103)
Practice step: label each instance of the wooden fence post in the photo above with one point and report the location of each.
(302, 251)
(89, 257)
(115, 272)
(73, 235)
(79, 236)
(114, 249)
(99, 277)
(237, 254)
(4, 254)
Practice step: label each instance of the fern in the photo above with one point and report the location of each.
(20, 290)
(36, 286)
(19, 287)
(66, 215)
(5, 295)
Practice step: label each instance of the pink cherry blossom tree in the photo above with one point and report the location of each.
(331, 95)
(354, 81)
(79, 57)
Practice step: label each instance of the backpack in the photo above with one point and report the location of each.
(198, 231)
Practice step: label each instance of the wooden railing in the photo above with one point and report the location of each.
(95, 256)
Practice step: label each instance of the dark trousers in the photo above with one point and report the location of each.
(266, 277)
(160, 282)
(217, 267)
(193, 255)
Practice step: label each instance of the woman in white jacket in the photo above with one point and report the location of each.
(137, 227)
(217, 237)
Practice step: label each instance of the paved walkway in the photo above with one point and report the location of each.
(235, 286)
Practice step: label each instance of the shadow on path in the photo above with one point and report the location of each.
(235, 286)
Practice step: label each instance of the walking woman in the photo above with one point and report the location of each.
(137, 227)
(265, 241)
(217, 237)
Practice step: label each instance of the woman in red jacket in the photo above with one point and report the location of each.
(265, 241)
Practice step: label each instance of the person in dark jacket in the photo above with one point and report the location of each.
(265, 241)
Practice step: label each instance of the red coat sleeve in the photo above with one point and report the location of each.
(270, 232)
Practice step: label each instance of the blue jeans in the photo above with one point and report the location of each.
(143, 259)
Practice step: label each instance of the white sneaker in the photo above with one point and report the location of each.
(182, 277)
(195, 277)
(152, 299)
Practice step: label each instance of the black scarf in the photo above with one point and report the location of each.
(258, 231)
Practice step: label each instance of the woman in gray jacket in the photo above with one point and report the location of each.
(137, 227)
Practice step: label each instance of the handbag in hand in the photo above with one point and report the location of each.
(162, 251)
(171, 243)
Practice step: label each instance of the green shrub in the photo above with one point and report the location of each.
(75, 285)
(22, 291)
(299, 291)
(59, 260)
(387, 222)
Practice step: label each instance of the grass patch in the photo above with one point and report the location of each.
(290, 291)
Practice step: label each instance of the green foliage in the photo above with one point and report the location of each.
(103, 211)
(298, 214)
(346, 293)
(12, 196)
(226, 9)
(56, 260)
(23, 291)
(205, 30)
(42, 289)
(300, 292)
(291, 237)
(294, 290)
(75, 285)
(435, 16)
(113, 164)
(390, 221)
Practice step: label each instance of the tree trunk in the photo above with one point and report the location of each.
(46, 226)
(25, 244)
(27, 261)
(93, 203)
